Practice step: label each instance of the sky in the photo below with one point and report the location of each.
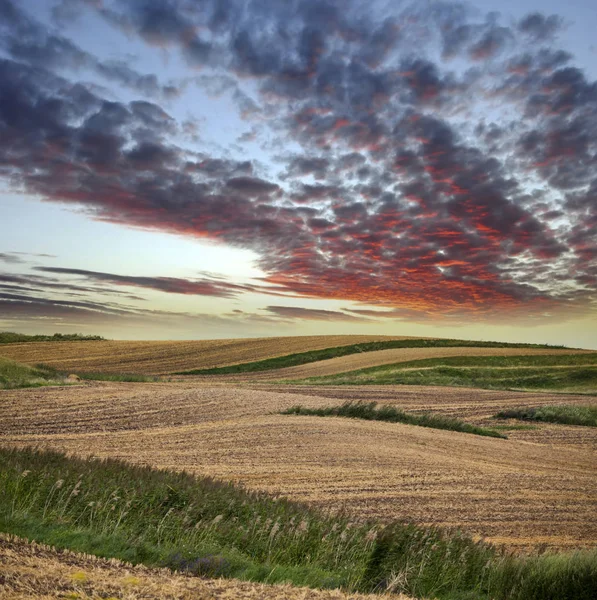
(194, 169)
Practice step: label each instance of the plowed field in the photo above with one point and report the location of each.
(167, 357)
(36, 572)
(538, 487)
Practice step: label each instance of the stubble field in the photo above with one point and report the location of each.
(538, 488)
(157, 357)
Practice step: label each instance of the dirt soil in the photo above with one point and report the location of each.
(151, 358)
(36, 572)
(537, 488)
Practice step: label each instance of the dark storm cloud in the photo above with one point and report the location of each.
(395, 188)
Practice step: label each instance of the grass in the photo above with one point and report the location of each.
(370, 412)
(131, 377)
(566, 414)
(10, 337)
(209, 528)
(513, 427)
(301, 358)
(15, 375)
(573, 372)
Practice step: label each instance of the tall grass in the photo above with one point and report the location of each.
(566, 414)
(206, 527)
(302, 358)
(369, 411)
(16, 375)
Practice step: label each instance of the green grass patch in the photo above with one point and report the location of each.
(132, 377)
(209, 528)
(513, 427)
(370, 412)
(15, 375)
(566, 414)
(302, 358)
(10, 337)
(574, 372)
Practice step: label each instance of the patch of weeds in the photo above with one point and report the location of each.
(565, 414)
(369, 411)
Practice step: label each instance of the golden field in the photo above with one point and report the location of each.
(155, 358)
(538, 488)
(32, 571)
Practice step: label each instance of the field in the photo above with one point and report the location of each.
(154, 358)
(36, 572)
(513, 491)
(535, 490)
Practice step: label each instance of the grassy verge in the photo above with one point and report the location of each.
(370, 412)
(10, 337)
(205, 527)
(566, 414)
(302, 358)
(575, 372)
(15, 375)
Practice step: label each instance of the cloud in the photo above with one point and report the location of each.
(540, 27)
(26, 39)
(404, 181)
(311, 314)
(170, 285)
(11, 258)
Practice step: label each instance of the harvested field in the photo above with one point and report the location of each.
(538, 487)
(376, 358)
(154, 358)
(36, 572)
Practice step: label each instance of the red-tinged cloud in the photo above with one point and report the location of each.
(397, 185)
